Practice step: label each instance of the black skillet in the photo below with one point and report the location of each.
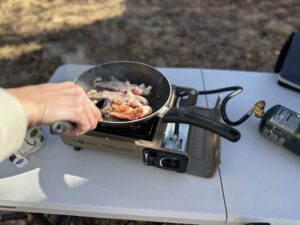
(138, 73)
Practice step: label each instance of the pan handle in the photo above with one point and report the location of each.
(60, 127)
(181, 115)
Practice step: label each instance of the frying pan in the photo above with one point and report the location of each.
(138, 73)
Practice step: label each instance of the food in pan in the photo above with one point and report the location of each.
(119, 98)
(127, 100)
(119, 86)
(125, 112)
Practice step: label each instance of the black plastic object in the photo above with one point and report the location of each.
(288, 62)
(187, 116)
(165, 160)
(282, 126)
(257, 224)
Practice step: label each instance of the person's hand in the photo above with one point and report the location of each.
(48, 103)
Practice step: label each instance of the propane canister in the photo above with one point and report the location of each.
(282, 126)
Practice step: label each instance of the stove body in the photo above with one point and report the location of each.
(172, 146)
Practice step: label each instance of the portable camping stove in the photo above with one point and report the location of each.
(172, 146)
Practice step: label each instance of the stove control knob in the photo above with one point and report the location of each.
(149, 158)
(169, 163)
(165, 160)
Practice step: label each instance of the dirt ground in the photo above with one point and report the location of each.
(37, 36)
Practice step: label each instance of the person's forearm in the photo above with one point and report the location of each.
(48, 103)
(13, 124)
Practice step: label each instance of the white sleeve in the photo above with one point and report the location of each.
(13, 124)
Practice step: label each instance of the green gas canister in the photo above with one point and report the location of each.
(281, 125)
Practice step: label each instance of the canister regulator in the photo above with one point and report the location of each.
(278, 123)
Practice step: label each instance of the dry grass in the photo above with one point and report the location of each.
(36, 36)
(31, 17)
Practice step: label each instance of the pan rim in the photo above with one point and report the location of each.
(144, 119)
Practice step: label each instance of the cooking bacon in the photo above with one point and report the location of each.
(127, 99)
(126, 112)
(121, 108)
(119, 98)
(116, 85)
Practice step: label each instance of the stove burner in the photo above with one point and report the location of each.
(146, 130)
(143, 131)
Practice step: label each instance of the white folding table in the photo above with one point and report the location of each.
(257, 180)
(261, 180)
